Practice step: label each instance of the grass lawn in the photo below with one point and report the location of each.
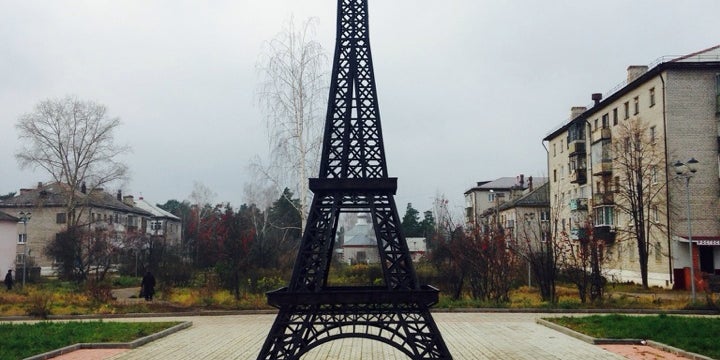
(22, 340)
(694, 334)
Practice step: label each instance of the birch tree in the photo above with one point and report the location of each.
(73, 141)
(640, 186)
(292, 93)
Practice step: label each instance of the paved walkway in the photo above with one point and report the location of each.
(468, 335)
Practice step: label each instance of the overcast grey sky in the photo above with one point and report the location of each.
(467, 88)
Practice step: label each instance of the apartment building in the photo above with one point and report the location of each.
(526, 220)
(161, 224)
(482, 200)
(8, 241)
(46, 204)
(675, 101)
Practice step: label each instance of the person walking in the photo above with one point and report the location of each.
(9, 280)
(147, 286)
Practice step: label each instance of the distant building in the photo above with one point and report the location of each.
(96, 209)
(360, 246)
(527, 218)
(482, 201)
(417, 247)
(161, 224)
(8, 242)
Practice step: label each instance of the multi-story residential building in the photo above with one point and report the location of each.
(526, 219)
(161, 224)
(675, 102)
(8, 242)
(482, 200)
(47, 204)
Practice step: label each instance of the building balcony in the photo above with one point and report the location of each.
(601, 134)
(605, 233)
(606, 198)
(578, 176)
(577, 147)
(602, 168)
(578, 204)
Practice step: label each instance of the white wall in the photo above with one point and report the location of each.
(8, 245)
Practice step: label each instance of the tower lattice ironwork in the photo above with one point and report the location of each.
(353, 178)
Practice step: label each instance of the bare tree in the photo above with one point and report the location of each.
(582, 261)
(534, 242)
(291, 93)
(73, 141)
(82, 252)
(640, 186)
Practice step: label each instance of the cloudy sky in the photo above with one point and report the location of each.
(467, 88)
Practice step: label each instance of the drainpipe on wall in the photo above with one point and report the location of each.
(667, 181)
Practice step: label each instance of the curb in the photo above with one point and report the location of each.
(577, 311)
(128, 345)
(139, 315)
(432, 310)
(601, 341)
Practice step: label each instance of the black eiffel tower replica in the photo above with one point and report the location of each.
(353, 178)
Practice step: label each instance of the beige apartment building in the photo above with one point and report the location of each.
(46, 206)
(676, 101)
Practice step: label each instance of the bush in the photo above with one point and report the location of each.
(99, 291)
(266, 284)
(39, 303)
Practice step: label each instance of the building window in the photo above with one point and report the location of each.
(652, 97)
(604, 216)
(60, 218)
(605, 121)
(22, 238)
(658, 252)
(655, 214)
(554, 150)
(626, 108)
(653, 174)
(636, 105)
(561, 146)
(554, 175)
(615, 116)
(156, 225)
(653, 132)
(596, 124)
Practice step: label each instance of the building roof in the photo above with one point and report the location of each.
(539, 197)
(507, 183)
(707, 58)
(54, 195)
(362, 234)
(154, 210)
(8, 217)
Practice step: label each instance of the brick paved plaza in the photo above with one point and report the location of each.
(468, 335)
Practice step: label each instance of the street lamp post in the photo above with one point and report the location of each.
(25, 217)
(688, 170)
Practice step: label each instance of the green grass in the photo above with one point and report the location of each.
(23, 340)
(694, 334)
